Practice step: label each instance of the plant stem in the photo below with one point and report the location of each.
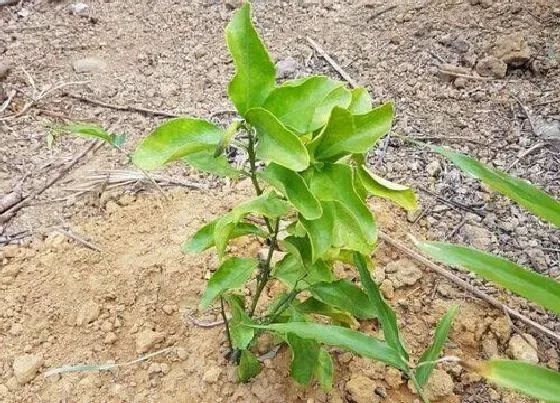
(265, 269)
(226, 324)
(419, 390)
(253, 164)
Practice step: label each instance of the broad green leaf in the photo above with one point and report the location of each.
(297, 104)
(533, 380)
(341, 337)
(305, 355)
(324, 370)
(241, 327)
(538, 288)
(344, 295)
(432, 353)
(93, 131)
(314, 306)
(376, 185)
(249, 366)
(204, 160)
(334, 182)
(299, 247)
(204, 238)
(255, 72)
(536, 201)
(268, 204)
(320, 231)
(174, 136)
(232, 273)
(386, 315)
(361, 101)
(352, 134)
(348, 230)
(228, 136)
(339, 97)
(291, 270)
(292, 185)
(276, 143)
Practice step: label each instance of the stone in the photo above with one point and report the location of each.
(362, 389)
(477, 237)
(10, 251)
(286, 68)
(460, 45)
(79, 9)
(459, 83)
(17, 329)
(387, 289)
(393, 378)
(433, 168)
(439, 385)
(494, 394)
(89, 65)
(511, 49)
(501, 327)
(403, 272)
(212, 375)
(26, 366)
(548, 130)
(88, 313)
(521, 349)
(110, 338)
(5, 69)
(147, 339)
(491, 66)
(168, 309)
(490, 347)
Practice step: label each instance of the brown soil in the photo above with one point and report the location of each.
(171, 55)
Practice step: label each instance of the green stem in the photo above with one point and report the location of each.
(417, 386)
(265, 268)
(226, 323)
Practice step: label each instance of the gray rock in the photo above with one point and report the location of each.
(403, 272)
(79, 9)
(88, 313)
(477, 237)
(26, 366)
(491, 66)
(147, 339)
(89, 65)
(286, 68)
(548, 130)
(520, 349)
(511, 49)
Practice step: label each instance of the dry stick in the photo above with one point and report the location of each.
(526, 153)
(8, 214)
(466, 76)
(381, 12)
(466, 286)
(129, 108)
(78, 239)
(334, 64)
(550, 101)
(526, 112)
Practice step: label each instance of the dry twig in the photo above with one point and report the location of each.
(78, 239)
(468, 287)
(334, 64)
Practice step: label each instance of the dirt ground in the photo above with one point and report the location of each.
(170, 55)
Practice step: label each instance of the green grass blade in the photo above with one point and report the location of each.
(344, 338)
(432, 352)
(532, 380)
(536, 201)
(538, 288)
(385, 314)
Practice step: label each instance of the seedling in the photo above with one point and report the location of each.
(305, 143)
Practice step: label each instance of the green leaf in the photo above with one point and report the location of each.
(536, 201)
(347, 134)
(324, 370)
(532, 380)
(338, 98)
(174, 137)
(292, 185)
(348, 231)
(538, 288)
(334, 182)
(241, 327)
(376, 185)
(303, 104)
(276, 143)
(249, 366)
(291, 270)
(361, 101)
(204, 238)
(228, 136)
(320, 231)
(344, 295)
(93, 131)
(387, 317)
(255, 72)
(305, 355)
(204, 160)
(268, 204)
(232, 273)
(432, 353)
(341, 337)
(314, 306)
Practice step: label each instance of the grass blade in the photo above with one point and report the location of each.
(538, 288)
